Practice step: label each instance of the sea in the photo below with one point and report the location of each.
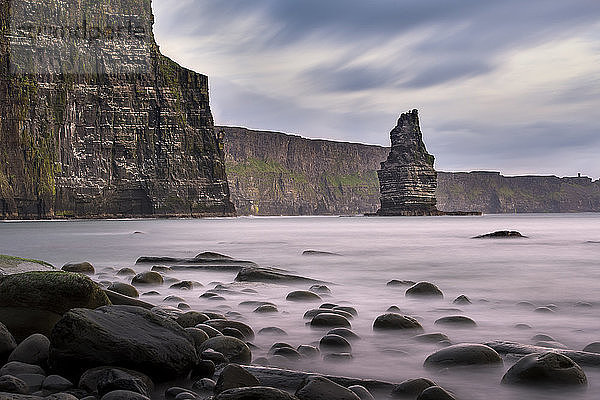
(556, 266)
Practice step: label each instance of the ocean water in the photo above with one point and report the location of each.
(558, 264)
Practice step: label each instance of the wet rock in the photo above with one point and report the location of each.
(160, 268)
(547, 369)
(147, 278)
(551, 344)
(501, 235)
(56, 383)
(173, 299)
(214, 356)
(542, 336)
(255, 393)
(319, 388)
(198, 336)
(272, 330)
(329, 320)
(203, 369)
(32, 350)
(361, 392)
(592, 347)
(411, 388)
(308, 351)
(424, 289)
(252, 274)
(81, 267)
(124, 395)
(328, 306)
(126, 272)
(233, 332)
(303, 296)
(544, 310)
(191, 319)
(220, 324)
(523, 326)
(151, 293)
(350, 310)
(33, 302)
(124, 289)
(266, 308)
(117, 299)
(320, 289)
(337, 357)
(61, 396)
(456, 321)
(318, 253)
(209, 330)
(103, 380)
(396, 322)
(204, 385)
(396, 282)
(184, 306)
(186, 285)
(435, 393)
(16, 368)
(394, 309)
(233, 376)
(254, 303)
(463, 355)
(314, 312)
(431, 337)
(462, 300)
(288, 352)
(279, 345)
(345, 333)
(234, 349)
(334, 343)
(7, 343)
(33, 382)
(12, 384)
(123, 336)
(214, 315)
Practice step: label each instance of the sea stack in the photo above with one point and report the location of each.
(407, 178)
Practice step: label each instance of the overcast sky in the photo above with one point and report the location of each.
(507, 85)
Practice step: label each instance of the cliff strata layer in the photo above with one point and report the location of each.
(407, 178)
(95, 122)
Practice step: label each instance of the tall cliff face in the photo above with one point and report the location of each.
(407, 178)
(277, 174)
(95, 122)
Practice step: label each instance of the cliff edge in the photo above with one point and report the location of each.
(95, 122)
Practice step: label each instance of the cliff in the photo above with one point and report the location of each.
(277, 174)
(95, 122)
(407, 179)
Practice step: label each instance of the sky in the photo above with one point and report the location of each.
(504, 85)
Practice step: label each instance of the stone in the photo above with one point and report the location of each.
(122, 336)
(33, 302)
(185, 285)
(592, 347)
(411, 388)
(397, 282)
(33, 382)
(464, 354)
(7, 343)
(350, 310)
(334, 343)
(102, 380)
(119, 299)
(319, 388)
(456, 321)
(287, 352)
(255, 393)
(232, 348)
(462, 300)
(501, 235)
(203, 369)
(266, 308)
(329, 320)
(424, 289)
(198, 336)
(124, 289)
(147, 278)
(308, 351)
(216, 357)
(545, 370)
(191, 319)
(435, 393)
(61, 396)
(272, 330)
(435, 337)
(209, 330)
(407, 178)
(254, 274)
(220, 324)
(18, 368)
(320, 289)
(80, 267)
(361, 392)
(314, 312)
(32, 350)
(345, 333)
(11, 384)
(126, 272)
(303, 296)
(56, 383)
(232, 377)
(396, 322)
(204, 385)
(124, 395)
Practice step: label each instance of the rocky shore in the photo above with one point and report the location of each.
(125, 334)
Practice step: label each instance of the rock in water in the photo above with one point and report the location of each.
(501, 235)
(317, 387)
(121, 336)
(407, 178)
(547, 369)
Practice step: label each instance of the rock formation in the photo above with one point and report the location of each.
(407, 178)
(95, 122)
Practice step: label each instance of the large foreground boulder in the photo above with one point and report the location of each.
(548, 369)
(232, 348)
(33, 302)
(121, 336)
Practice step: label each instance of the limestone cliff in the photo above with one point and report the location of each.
(277, 174)
(95, 122)
(407, 179)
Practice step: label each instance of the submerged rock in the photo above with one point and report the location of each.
(463, 355)
(147, 278)
(125, 289)
(411, 388)
(424, 289)
(396, 322)
(592, 347)
(547, 369)
(501, 235)
(329, 320)
(457, 321)
(303, 295)
(254, 274)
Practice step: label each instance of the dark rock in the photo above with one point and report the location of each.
(203, 369)
(337, 357)
(191, 319)
(204, 385)
(160, 268)
(457, 321)
(501, 235)
(33, 302)
(173, 299)
(102, 380)
(234, 349)
(345, 333)
(81, 267)
(329, 320)
(314, 312)
(118, 299)
(266, 308)
(62, 396)
(424, 289)
(33, 382)
(551, 344)
(126, 272)
(7, 343)
(435, 393)
(318, 253)
(123, 395)
(320, 289)
(411, 388)
(209, 330)
(232, 377)
(462, 300)
(279, 345)
(56, 383)
(255, 393)
(328, 306)
(396, 282)
(308, 351)
(220, 324)
(592, 347)
(11, 384)
(214, 356)
(463, 355)
(361, 392)
(334, 343)
(16, 368)
(253, 274)
(151, 293)
(394, 309)
(173, 392)
(147, 278)
(542, 336)
(186, 285)
(272, 330)
(547, 369)
(407, 178)
(32, 350)
(125, 289)
(123, 336)
(350, 310)
(395, 322)
(287, 352)
(233, 332)
(319, 388)
(303, 296)
(198, 336)
(431, 337)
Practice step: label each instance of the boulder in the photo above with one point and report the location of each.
(124, 395)
(395, 322)
(80, 267)
(56, 383)
(232, 377)
(434, 337)
(147, 278)
(272, 330)
(411, 388)
(266, 308)
(547, 369)
(319, 388)
(12, 384)
(397, 282)
(308, 351)
(32, 350)
(220, 324)
(361, 392)
(203, 369)
(7, 343)
(350, 310)
(334, 343)
(288, 353)
(345, 333)
(462, 300)
(435, 393)
(424, 289)
(255, 393)
(234, 349)
(465, 354)
(501, 235)
(121, 336)
(253, 274)
(103, 380)
(191, 318)
(119, 299)
(592, 347)
(329, 320)
(125, 289)
(198, 336)
(456, 321)
(33, 302)
(126, 272)
(209, 330)
(316, 311)
(18, 368)
(303, 296)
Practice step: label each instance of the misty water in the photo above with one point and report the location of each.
(558, 264)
